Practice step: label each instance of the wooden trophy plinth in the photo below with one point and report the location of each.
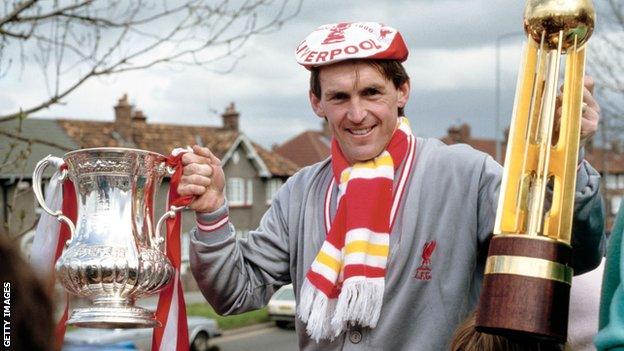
(526, 289)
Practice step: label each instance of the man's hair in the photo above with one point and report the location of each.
(392, 70)
(467, 338)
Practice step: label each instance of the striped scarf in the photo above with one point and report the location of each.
(346, 281)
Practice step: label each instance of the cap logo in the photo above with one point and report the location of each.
(336, 34)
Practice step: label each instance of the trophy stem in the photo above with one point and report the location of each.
(526, 289)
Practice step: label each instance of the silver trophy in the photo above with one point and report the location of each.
(114, 255)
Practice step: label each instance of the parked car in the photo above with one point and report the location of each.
(282, 307)
(201, 330)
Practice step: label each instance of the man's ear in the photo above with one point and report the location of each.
(316, 105)
(403, 94)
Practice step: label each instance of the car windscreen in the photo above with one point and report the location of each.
(286, 294)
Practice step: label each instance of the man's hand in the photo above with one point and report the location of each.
(590, 112)
(203, 178)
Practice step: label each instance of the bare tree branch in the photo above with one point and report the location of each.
(73, 42)
(19, 8)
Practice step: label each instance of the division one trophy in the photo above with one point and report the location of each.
(527, 279)
(114, 255)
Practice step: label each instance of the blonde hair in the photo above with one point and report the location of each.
(467, 338)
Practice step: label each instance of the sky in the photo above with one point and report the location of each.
(452, 65)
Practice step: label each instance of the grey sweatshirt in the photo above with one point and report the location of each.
(450, 198)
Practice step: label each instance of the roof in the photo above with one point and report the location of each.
(605, 160)
(306, 148)
(19, 154)
(486, 145)
(63, 135)
(601, 159)
(163, 138)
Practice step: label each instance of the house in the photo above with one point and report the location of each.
(609, 162)
(307, 148)
(253, 173)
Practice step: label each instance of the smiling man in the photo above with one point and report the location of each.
(384, 242)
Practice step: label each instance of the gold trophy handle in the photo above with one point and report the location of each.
(37, 186)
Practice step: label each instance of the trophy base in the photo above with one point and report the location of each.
(529, 302)
(112, 317)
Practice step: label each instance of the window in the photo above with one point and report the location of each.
(235, 191)
(611, 181)
(239, 192)
(272, 187)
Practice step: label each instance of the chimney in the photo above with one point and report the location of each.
(230, 118)
(460, 134)
(464, 132)
(123, 118)
(139, 117)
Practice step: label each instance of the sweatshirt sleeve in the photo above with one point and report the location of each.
(239, 275)
(588, 242)
(588, 239)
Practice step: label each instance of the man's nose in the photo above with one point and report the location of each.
(357, 112)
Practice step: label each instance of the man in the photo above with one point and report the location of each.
(385, 241)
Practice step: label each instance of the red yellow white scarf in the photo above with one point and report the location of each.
(346, 281)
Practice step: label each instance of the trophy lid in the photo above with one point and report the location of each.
(548, 17)
(120, 150)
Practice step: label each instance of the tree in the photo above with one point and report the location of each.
(73, 41)
(606, 64)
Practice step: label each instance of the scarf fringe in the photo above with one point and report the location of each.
(359, 302)
(315, 309)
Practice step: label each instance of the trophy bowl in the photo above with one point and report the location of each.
(115, 254)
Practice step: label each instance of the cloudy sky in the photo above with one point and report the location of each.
(452, 65)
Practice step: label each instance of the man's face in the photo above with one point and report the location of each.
(360, 106)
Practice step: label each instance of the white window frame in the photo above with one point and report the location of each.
(249, 192)
(272, 186)
(235, 191)
(611, 181)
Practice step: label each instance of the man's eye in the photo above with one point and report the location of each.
(339, 96)
(370, 92)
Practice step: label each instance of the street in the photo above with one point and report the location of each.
(270, 338)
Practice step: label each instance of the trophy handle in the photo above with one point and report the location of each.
(37, 186)
(156, 240)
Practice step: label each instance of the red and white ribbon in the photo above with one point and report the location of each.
(172, 334)
(51, 236)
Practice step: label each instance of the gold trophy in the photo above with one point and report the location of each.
(526, 289)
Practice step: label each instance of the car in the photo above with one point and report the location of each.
(201, 330)
(282, 306)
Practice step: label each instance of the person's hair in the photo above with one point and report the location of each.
(467, 338)
(31, 308)
(392, 70)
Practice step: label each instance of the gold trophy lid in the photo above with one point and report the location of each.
(548, 17)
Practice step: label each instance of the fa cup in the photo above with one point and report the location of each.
(115, 254)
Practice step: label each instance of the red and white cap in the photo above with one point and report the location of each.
(337, 42)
